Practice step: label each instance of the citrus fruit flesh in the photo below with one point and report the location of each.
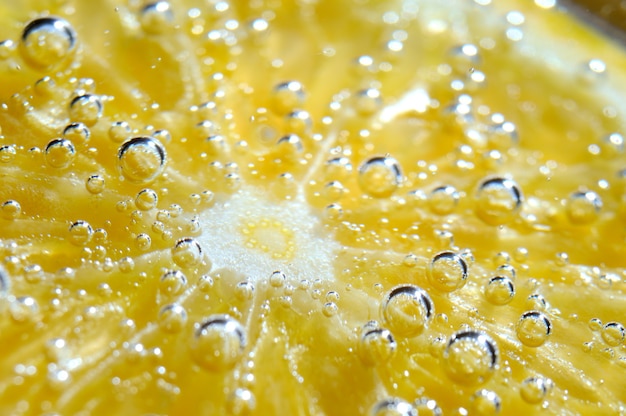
(312, 208)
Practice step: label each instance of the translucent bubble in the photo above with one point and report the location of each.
(60, 153)
(146, 199)
(380, 176)
(77, 133)
(443, 200)
(407, 310)
(24, 308)
(583, 207)
(376, 345)
(95, 184)
(11, 209)
(612, 144)
(464, 57)
(173, 283)
(595, 324)
(119, 131)
(141, 159)
(485, 403)
(7, 153)
(536, 302)
(143, 242)
(244, 290)
(289, 145)
(470, 357)
(48, 42)
(218, 343)
(277, 279)
(156, 18)
(427, 407)
(216, 144)
(299, 122)
(80, 233)
(500, 290)
(288, 96)
(5, 282)
(533, 328)
(368, 101)
(498, 200)
(338, 168)
(534, 389)
(241, 402)
(187, 252)
(393, 407)
(613, 333)
(86, 109)
(172, 318)
(330, 309)
(447, 271)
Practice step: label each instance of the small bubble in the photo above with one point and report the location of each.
(368, 101)
(58, 378)
(613, 334)
(534, 389)
(143, 242)
(218, 343)
(86, 109)
(289, 145)
(7, 153)
(80, 233)
(95, 184)
(533, 328)
(287, 97)
(48, 42)
(244, 291)
(60, 153)
(595, 324)
(277, 279)
(155, 18)
(11, 209)
(338, 168)
(447, 271)
(470, 357)
(173, 283)
(330, 309)
(376, 345)
(612, 145)
(427, 407)
(5, 282)
(498, 200)
(583, 207)
(23, 309)
(119, 131)
(380, 176)
(443, 200)
(407, 310)
(187, 252)
(464, 57)
(393, 407)
(141, 159)
(241, 402)
(172, 318)
(485, 403)
(500, 290)
(146, 199)
(77, 133)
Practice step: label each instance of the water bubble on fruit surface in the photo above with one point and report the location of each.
(464, 57)
(60, 153)
(533, 328)
(81, 232)
(613, 333)
(498, 200)
(500, 290)
(244, 290)
(470, 357)
(143, 242)
(172, 318)
(47, 42)
(77, 133)
(173, 282)
(583, 207)
(86, 109)
(380, 176)
(187, 252)
(141, 159)
(5, 282)
(95, 184)
(7, 153)
(368, 101)
(241, 402)
(534, 389)
(393, 407)
(23, 308)
(277, 279)
(407, 310)
(146, 199)
(447, 271)
(485, 403)
(10, 209)
(338, 168)
(443, 199)
(330, 309)
(119, 131)
(376, 345)
(218, 343)
(288, 96)
(155, 18)
(427, 407)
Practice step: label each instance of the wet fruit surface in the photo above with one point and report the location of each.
(326, 208)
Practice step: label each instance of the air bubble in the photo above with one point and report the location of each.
(393, 407)
(533, 328)
(583, 207)
(187, 252)
(5, 283)
(338, 168)
(443, 200)
(146, 199)
(376, 345)
(119, 131)
(60, 153)
(77, 133)
(80, 233)
(143, 242)
(141, 159)
(11, 209)
(613, 334)
(407, 310)
(447, 271)
(380, 176)
(7, 153)
(218, 343)
(485, 403)
(368, 101)
(156, 18)
(500, 290)
(241, 402)
(244, 290)
(498, 200)
(534, 389)
(24, 309)
(470, 357)
(299, 122)
(427, 407)
(172, 318)
(464, 57)
(277, 279)
(48, 42)
(288, 96)
(173, 283)
(95, 184)
(86, 109)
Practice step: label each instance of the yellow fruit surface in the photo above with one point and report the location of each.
(312, 207)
